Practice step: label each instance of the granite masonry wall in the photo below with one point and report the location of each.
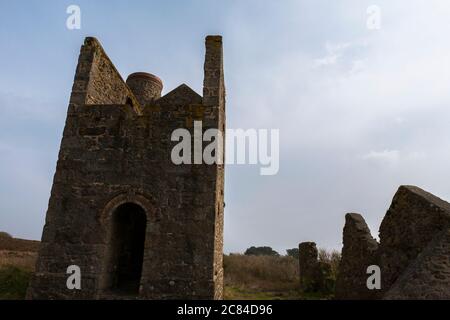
(115, 156)
(414, 218)
(359, 252)
(428, 277)
(314, 274)
(413, 254)
(308, 265)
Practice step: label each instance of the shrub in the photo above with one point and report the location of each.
(261, 251)
(293, 252)
(332, 258)
(13, 282)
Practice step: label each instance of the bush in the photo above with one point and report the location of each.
(261, 251)
(5, 235)
(13, 283)
(332, 258)
(294, 252)
(325, 273)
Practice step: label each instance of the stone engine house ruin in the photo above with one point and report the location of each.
(413, 252)
(137, 225)
(413, 255)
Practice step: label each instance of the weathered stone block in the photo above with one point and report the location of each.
(428, 277)
(359, 251)
(314, 274)
(413, 254)
(307, 258)
(414, 218)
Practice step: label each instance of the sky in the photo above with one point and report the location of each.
(360, 111)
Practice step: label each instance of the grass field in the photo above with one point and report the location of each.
(263, 278)
(245, 277)
(260, 277)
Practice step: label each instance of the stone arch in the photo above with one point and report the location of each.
(126, 218)
(122, 198)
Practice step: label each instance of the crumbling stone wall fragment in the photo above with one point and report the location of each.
(414, 218)
(307, 257)
(359, 251)
(314, 274)
(428, 277)
(413, 254)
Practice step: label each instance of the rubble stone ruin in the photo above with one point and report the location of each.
(358, 253)
(313, 273)
(307, 258)
(137, 225)
(413, 253)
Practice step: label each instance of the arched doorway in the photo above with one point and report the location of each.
(127, 247)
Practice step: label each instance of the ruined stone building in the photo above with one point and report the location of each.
(314, 274)
(137, 225)
(413, 253)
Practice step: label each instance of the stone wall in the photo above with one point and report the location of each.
(314, 274)
(413, 219)
(97, 81)
(307, 258)
(359, 252)
(428, 277)
(214, 100)
(115, 151)
(413, 254)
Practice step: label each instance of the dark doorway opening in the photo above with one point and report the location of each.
(128, 238)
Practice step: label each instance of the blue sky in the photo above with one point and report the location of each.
(359, 111)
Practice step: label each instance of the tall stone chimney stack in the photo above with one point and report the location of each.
(145, 86)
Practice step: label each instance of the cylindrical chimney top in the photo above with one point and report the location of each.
(145, 86)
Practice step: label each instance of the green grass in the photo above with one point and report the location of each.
(13, 283)
(243, 293)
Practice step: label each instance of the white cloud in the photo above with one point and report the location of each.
(334, 52)
(386, 156)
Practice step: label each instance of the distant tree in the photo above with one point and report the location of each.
(292, 253)
(261, 251)
(5, 235)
